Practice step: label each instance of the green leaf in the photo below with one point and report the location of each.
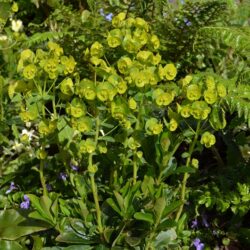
(133, 241)
(106, 138)
(112, 204)
(120, 200)
(170, 208)
(164, 238)
(166, 223)
(10, 245)
(15, 224)
(65, 131)
(145, 217)
(42, 206)
(184, 169)
(69, 233)
(159, 207)
(73, 247)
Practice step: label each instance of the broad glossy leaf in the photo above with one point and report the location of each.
(15, 223)
(73, 233)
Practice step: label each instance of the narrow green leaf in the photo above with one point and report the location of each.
(170, 208)
(184, 169)
(144, 217)
(112, 204)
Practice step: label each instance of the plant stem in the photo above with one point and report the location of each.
(42, 179)
(97, 206)
(92, 180)
(186, 175)
(135, 169)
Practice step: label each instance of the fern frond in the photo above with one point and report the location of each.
(43, 37)
(236, 38)
(238, 100)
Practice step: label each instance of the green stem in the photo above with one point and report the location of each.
(97, 206)
(42, 179)
(186, 175)
(135, 169)
(1, 102)
(92, 180)
(54, 102)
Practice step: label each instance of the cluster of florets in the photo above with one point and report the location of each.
(52, 62)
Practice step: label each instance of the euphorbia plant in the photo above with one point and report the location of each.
(122, 128)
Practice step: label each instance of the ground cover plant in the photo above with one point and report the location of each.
(124, 125)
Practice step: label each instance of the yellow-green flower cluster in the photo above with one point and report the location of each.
(131, 33)
(153, 126)
(208, 139)
(52, 62)
(76, 108)
(82, 124)
(162, 98)
(202, 93)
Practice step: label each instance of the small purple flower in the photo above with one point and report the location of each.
(194, 224)
(63, 176)
(109, 17)
(74, 167)
(197, 243)
(26, 203)
(187, 22)
(204, 220)
(49, 187)
(12, 187)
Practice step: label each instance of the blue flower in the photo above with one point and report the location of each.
(11, 188)
(204, 220)
(187, 22)
(74, 167)
(194, 223)
(197, 243)
(49, 187)
(26, 203)
(108, 17)
(63, 176)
